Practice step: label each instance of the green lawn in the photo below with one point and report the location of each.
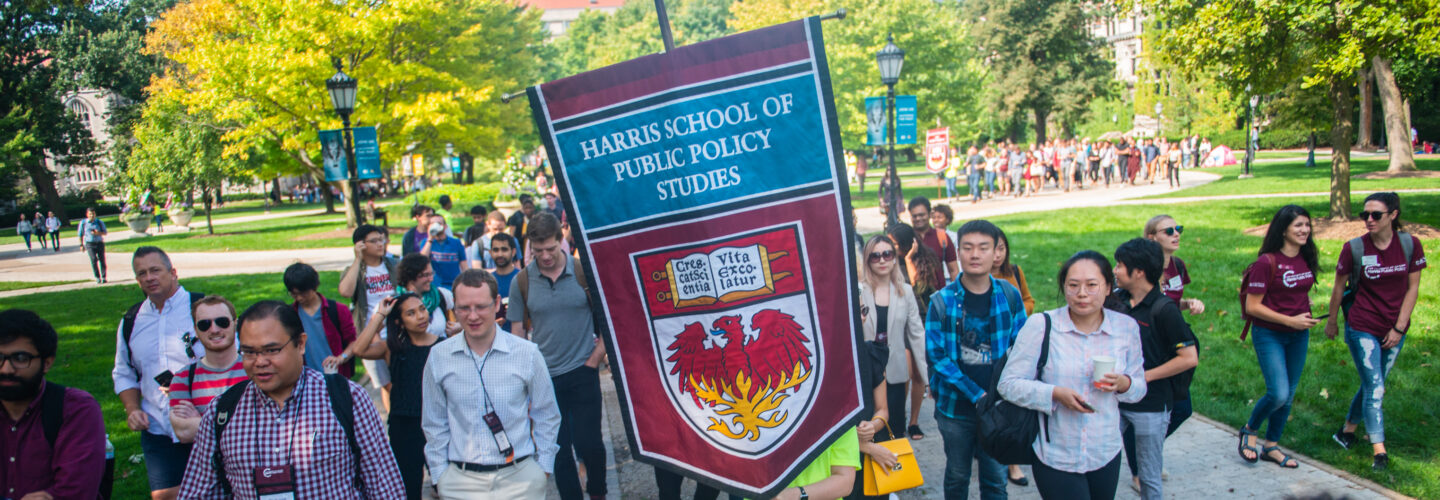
(1294, 177)
(87, 319)
(1228, 381)
(6, 286)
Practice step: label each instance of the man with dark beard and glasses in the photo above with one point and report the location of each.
(56, 442)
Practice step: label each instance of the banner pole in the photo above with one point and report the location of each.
(664, 19)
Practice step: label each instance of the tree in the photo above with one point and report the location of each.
(33, 121)
(1324, 42)
(178, 152)
(940, 67)
(1041, 58)
(430, 73)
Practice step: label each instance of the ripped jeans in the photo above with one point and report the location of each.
(1373, 363)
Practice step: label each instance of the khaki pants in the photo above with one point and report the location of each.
(525, 480)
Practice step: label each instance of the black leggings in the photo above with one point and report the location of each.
(1097, 484)
(407, 440)
(669, 486)
(896, 397)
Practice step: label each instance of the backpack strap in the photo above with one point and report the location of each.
(1012, 295)
(52, 407)
(522, 281)
(343, 404)
(224, 410)
(1040, 367)
(1357, 255)
(1249, 320)
(1407, 245)
(1179, 266)
(332, 309)
(127, 327)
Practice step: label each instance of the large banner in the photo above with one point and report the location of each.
(367, 153)
(905, 123)
(332, 156)
(877, 125)
(710, 209)
(937, 149)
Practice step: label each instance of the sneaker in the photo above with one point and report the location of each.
(1382, 460)
(1344, 439)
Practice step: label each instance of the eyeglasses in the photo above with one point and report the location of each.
(1172, 231)
(1372, 215)
(204, 324)
(251, 355)
(1073, 289)
(376, 241)
(475, 309)
(882, 256)
(19, 360)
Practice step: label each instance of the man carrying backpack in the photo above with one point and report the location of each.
(155, 341)
(56, 438)
(288, 432)
(328, 323)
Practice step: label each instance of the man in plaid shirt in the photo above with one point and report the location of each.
(971, 324)
(283, 439)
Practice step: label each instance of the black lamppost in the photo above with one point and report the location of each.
(342, 95)
(890, 60)
(1249, 126)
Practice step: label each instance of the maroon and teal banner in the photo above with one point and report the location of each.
(710, 208)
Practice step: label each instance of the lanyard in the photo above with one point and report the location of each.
(480, 372)
(291, 420)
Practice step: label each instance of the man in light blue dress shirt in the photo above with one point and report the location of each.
(490, 417)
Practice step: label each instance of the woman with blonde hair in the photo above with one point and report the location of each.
(891, 318)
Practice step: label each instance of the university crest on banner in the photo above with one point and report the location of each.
(710, 209)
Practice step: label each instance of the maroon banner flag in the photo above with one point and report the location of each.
(708, 201)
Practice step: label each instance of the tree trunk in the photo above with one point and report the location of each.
(1040, 117)
(1397, 124)
(44, 181)
(469, 162)
(274, 193)
(209, 224)
(351, 218)
(1364, 78)
(326, 195)
(1340, 129)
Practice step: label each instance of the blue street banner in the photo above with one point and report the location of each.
(710, 183)
(367, 153)
(905, 119)
(877, 124)
(332, 156)
(454, 162)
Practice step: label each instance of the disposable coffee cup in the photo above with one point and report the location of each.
(1103, 366)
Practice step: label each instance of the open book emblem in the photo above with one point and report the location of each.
(726, 274)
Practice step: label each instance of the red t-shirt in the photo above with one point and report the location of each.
(1174, 279)
(1384, 280)
(931, 240)
(1286, 290)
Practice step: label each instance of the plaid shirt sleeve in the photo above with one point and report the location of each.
(199, 482)
(943, 349)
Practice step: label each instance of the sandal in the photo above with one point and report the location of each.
(1284, 461)
(915, 433)
(1244, 448)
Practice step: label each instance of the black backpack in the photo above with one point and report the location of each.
(1008, 431)
(341, 403)
(52, 409)
(127, 327)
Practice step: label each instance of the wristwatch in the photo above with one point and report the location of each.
(803, 494)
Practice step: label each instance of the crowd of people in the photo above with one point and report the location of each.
(1011, 170)
(484, 348)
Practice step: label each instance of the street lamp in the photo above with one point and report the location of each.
(1249, 126)
(891, 59)
(1159, 120)
(342, 95)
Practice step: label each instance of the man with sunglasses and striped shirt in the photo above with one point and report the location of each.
(206, 379)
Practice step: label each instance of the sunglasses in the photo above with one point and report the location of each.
(881, 256)
(1172, 231)
(1369, 215)
(204, 324)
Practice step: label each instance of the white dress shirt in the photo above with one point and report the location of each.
(520, 392)
(156, 345)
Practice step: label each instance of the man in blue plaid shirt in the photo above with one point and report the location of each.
(971, 324)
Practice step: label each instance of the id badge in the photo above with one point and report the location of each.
(275, 482)
(1176, 282)
(501, 441)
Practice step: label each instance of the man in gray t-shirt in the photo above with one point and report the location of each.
(551, 309)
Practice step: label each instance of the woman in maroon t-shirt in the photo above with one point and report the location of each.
(1376, 322)
(1277, 296)
(1164, 230)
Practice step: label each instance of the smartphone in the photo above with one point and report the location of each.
(1087, 406)
(1322, 316)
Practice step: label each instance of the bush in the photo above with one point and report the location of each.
(462, 196)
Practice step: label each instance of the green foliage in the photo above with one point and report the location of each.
(940, 68)
(1040, 60)
(462, 196)
(179, 152)
(1295, 177)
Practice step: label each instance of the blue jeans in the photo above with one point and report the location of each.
(972, 182)
(1374, 364)
(962, 444)
(990, 181)
(950, 186)
(1282, 360)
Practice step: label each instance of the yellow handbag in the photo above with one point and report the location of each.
(904, 476)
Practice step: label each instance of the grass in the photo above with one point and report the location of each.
(6, 286)
(86, 321)
(1228, 381)
(1294, 177)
